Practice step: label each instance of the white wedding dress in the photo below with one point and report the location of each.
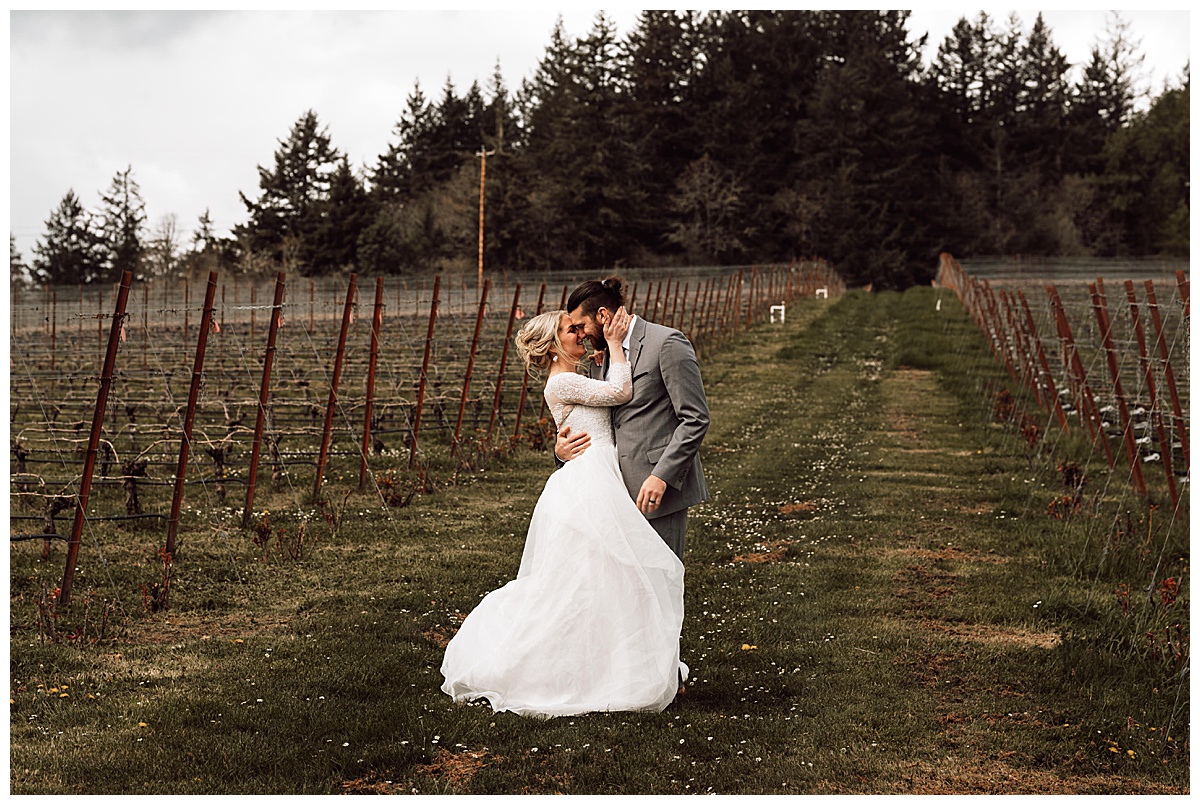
(592, 620)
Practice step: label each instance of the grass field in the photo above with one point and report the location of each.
(878, 601)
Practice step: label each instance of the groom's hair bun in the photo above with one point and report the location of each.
(595, 294)
(537, 338)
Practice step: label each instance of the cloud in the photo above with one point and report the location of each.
(194, 101)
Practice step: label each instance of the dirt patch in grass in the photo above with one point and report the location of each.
(174, 626)
(996, 777)
(929, 669)
(995, 635)
(803, 507)
(456, 770)
(775, 552)
(366, 786)
(924, 587)
(437, 637)
(949, 553)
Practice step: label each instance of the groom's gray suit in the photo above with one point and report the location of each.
(659, 431)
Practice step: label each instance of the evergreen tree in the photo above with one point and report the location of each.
(294, 197)
(1145, 181)
(1105, 94)
(18, 272)
(868, 153)
(70, 253)
(204, 238)
(406, 161)
(663, 54)
(122, 221)
(333, 240)
(499, 122)
(578, 197)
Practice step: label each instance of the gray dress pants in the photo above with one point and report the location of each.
(672, 528)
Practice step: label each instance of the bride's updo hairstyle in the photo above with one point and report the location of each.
(537, 338)
(595, 294)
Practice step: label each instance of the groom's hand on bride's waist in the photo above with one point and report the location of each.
(567, 447)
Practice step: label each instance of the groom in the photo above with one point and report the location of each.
(659, 431)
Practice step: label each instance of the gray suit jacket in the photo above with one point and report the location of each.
(659, 431)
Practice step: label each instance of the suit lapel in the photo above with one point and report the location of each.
(635, 343)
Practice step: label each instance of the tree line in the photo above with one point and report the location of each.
(713, 138)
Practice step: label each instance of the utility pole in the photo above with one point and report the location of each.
(483, 155)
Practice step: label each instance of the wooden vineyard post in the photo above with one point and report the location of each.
(1051, 388)
(187, 288)
(1000, 332)
(89, 461)
(717, 312)
(253, 303)
(264, 392)
(561, 306)
(189, 419)
(739, 291)
(1100, 305)
(1182, 281)
(221, 326)
(676, 313)
(145, 321)
(512, 317)
(750, 283)
(1024, 357)
(462, 405)
(706, 314)
(1165, 355)
(54, 337)
(1085, 403)
(648, 304)
(632, 299)
(1164, 445)
(312, 301)
(1029, 362)
(750, 300)
(347, 313)
(525, 375)
(691, 330)
(376, 321)
(433, 310)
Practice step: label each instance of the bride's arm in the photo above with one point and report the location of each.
(575, 389)
(617, 389)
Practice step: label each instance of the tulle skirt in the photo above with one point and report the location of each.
(592, 621)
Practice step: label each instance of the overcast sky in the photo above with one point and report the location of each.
(194, 101)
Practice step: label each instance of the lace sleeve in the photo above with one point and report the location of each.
(575, 389)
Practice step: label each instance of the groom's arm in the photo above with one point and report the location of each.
(681, 377)
(567, 447)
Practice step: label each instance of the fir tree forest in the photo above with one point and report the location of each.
(711, 138)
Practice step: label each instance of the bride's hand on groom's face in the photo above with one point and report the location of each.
(617, 326)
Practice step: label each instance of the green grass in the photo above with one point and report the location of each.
(876, 602)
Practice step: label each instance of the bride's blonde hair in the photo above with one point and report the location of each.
(537, 338)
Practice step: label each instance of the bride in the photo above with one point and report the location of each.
(592, 620)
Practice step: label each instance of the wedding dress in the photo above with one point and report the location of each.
(592, 620)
